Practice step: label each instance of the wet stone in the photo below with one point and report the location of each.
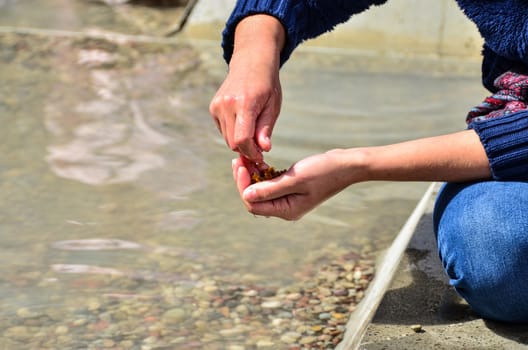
(174, 316)
(233, 331)
(271, 304)
(290, 337)
(325, 316)
(251, 293)
(26, 313)
(18, 332)
(60, 330)
(265, 344)
(307, 340)
(236, 347)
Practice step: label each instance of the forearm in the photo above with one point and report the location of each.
(454, 157)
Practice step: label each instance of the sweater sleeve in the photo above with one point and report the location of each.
(505, 140)
(302, 19)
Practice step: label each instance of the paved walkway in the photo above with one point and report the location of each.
(419, 295)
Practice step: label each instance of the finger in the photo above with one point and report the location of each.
(213, 112)
(222, 109)
(229, 130)
(252, 166)
(242, 162)
(243, 179)
(244, 136)
(262, 166)
(264, 139)
(216, 110)
(264, 129)
(269, 190)
(284, 207)
(234, 168)
(217, 123)
(220, 125)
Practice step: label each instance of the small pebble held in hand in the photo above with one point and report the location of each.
(266, 174)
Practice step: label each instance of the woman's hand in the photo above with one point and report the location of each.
(305, 185)
(246, 106)
(453, 157)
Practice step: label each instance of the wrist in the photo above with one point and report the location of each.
(261, 36)
(353, 164)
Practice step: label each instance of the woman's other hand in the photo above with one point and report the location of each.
(304, 186)
(247, 104)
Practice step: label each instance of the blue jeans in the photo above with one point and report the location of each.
(482, 234)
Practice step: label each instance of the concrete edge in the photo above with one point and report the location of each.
(387, 267)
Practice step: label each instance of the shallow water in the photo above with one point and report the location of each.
(92, 15)
(116, 198)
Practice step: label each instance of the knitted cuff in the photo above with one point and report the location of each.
(505, 140)
(286, 11)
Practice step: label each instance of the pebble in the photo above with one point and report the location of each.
(338, 315)
(172, 316)
(126, 344)
(307, 340)
(25, 313)
(242, 310)
(417, 328)
(230, 332)
(325, 316)
(18, 332)
(271, 304)
(294, 296)
(251, 293)
(265, 344)
(290, 337)
(285, 314)
(93, 305)
(79, 322)
(60, 330)
(210, 289)
(236, 347)
(340, 292)
(108, 343)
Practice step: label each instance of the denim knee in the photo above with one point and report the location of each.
(482, 235)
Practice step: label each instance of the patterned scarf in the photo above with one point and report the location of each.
(511, 97)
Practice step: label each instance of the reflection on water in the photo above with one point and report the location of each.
(100, 121)
(95, 244)
(121, 226)
(103, 148)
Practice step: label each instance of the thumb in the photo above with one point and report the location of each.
(264, 138)
(264, 129)
(269, 190)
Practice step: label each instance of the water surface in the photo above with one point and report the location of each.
(118, 213)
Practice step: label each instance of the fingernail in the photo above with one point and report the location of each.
(267, 144)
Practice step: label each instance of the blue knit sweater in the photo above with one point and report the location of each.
(502, 23)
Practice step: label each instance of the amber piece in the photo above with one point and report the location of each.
(266, 174)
